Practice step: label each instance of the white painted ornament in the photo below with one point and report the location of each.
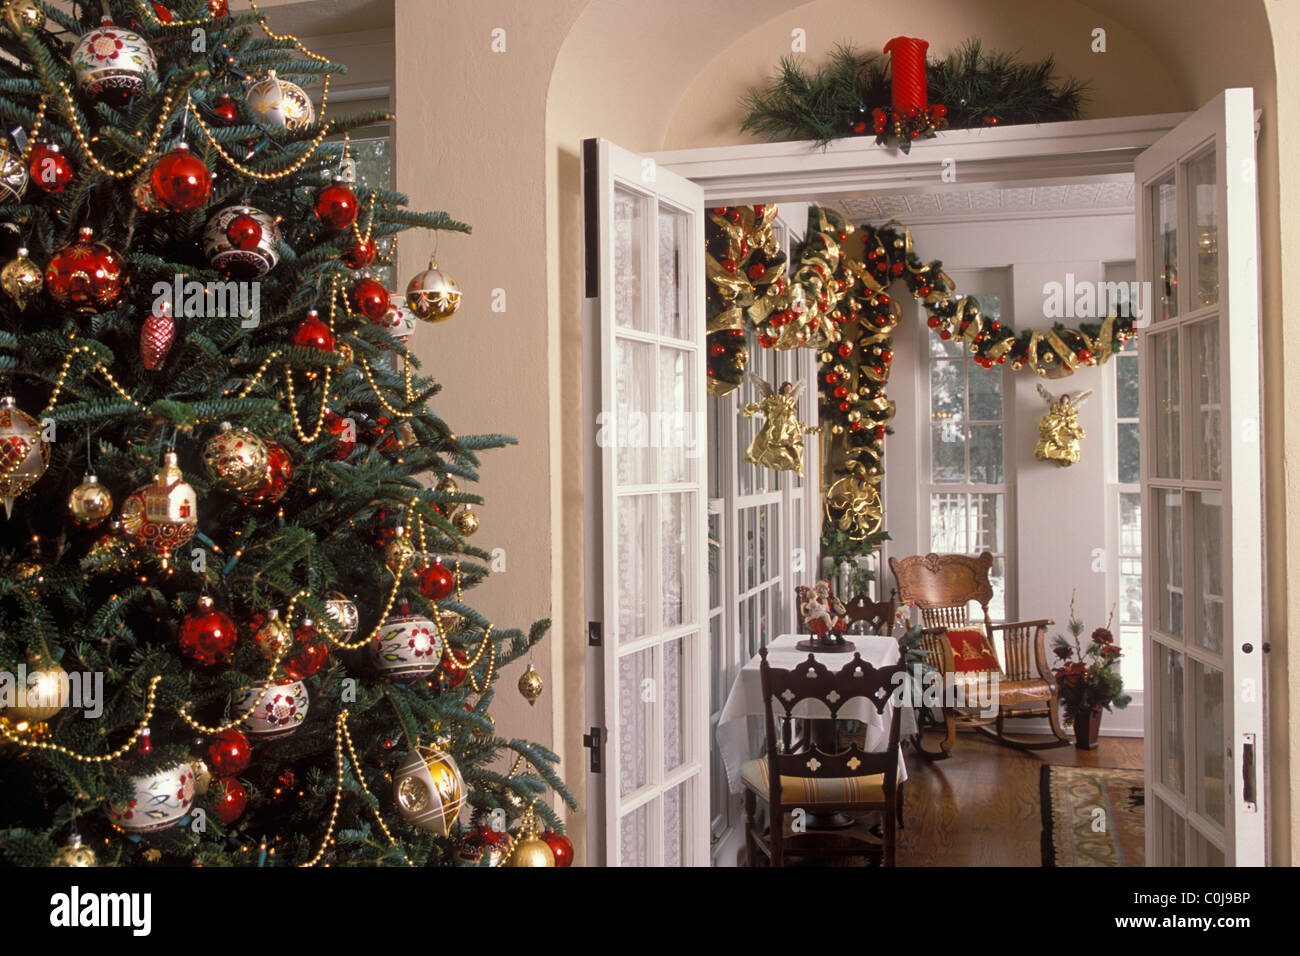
(280, 710)
(279, 103)
(157, 801)
(24, 453)
(398, 320)
(113, 64)
(237, 263)
(407, 648)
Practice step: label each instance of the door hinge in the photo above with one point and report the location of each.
(592, 742)
(595, 634)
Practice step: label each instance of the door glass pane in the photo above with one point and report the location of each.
(676, 437)
(1207, 430)
(1171, 835)
(947, 453)
(1211, 797)
(1200, 175)
(634, 385)
(715, 558)
(1169, 715)
(674, 247)
(629, 259)
(635, 567)
(1207, 552)
(678, 681)
(717, 665)
(1166, 392)
(674, 520)
(764, 530)
(679, 814)
(986, 454)
(635, 719)
(947, 391)
(1126, 382)
(1169, 557)
(1205, 853)
(634, 837)
(1164, 221)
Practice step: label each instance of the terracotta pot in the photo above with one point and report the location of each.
(1086, 726)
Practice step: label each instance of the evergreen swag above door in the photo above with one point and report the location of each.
(834, 297)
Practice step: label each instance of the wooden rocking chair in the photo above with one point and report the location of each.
(942, 586)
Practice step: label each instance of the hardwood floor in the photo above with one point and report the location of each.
(980, 807)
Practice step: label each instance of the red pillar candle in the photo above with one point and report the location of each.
(907, 73)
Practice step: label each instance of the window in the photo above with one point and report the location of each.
(968, 488)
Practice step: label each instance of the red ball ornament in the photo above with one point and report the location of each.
(841, 391)
(85, 275)
(232, 799)
(229, 753)
(244, 232)
(181, 181)
(756, 271)
(454, 666)
(887, 355)
(932, 322)
(561, 847)
(766, 341)
(344, 431)
(359, 254)
(336, 205)
(207, 636)
(435, 581)
(312, 333)
(49, 168)
(308, 654)
(371, 299)
(162, 13)
(276, 480)
(219, 8)
(717, 349)
(224, 111)
(156, 336)
(845, 349)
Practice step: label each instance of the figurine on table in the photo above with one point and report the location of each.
(825, 617)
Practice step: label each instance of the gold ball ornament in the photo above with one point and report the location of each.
(448, 486)
(22, 278)
(40, 693)
(75, 853)
(162, 515)
(433, 295)
(531, 685)
(465, 520)
(273, 636)
(530, 850)
(346, 356)
(90, 502)
(400, 552)
(429, 790)
(20, 15)
(235, 458)
(24, 453)
(279, 103)
(142, 192)
(13, 176)
(202, 777)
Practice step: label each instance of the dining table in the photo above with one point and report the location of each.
(740, 738)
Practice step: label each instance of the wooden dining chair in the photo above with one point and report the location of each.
(943, 586)
(807, 778)
(876, 617)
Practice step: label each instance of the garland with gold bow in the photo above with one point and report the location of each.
(836, 299)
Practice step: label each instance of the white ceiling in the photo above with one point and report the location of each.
(990, 202)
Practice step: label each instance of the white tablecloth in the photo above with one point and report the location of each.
(738, 742)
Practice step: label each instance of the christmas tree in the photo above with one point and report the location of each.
(232, 628)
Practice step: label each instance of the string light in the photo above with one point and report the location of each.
(86, 758)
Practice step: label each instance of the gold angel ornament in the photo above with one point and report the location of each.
(779, 442)
(1059, 431)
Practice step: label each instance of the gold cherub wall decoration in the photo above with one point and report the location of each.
(779, 442)
(1059, 431)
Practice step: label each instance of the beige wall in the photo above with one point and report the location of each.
(495, 138)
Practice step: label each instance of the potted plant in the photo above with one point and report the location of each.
(1087, 679)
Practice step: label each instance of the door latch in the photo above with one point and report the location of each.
(1248, 773)
(592, 742)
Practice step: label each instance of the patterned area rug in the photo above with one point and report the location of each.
(1076, 834)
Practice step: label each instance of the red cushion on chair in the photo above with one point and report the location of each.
(971, 651)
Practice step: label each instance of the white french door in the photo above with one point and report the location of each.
(1202, 568)
(648, 554)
